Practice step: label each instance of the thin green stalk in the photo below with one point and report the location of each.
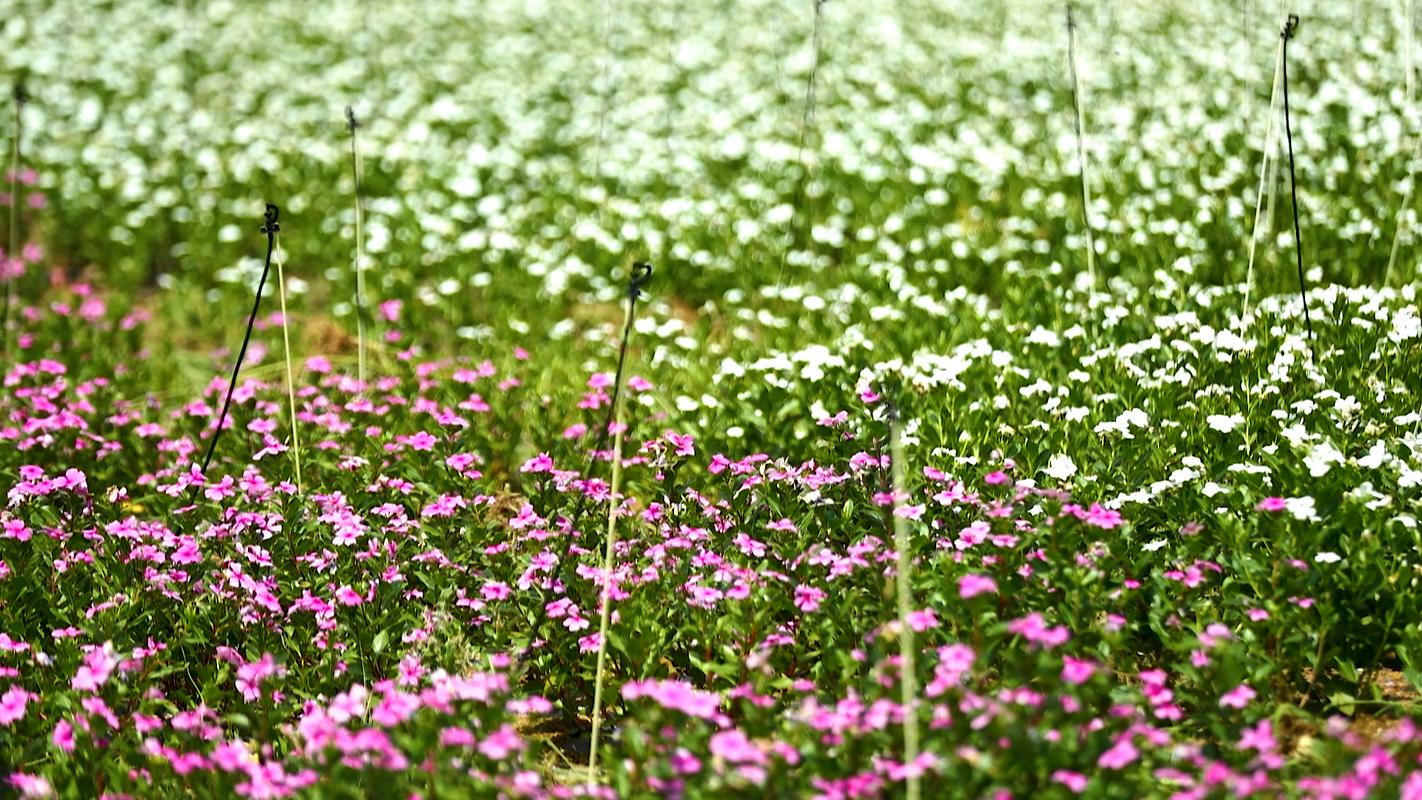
(1408, 80)
(604, 615)
(1402, 210)
(12, 243)
(1269, 137)
(361, 308)
(290, 376)
(606, 89)
(641, 272)
(908, 674)
(1077, 102)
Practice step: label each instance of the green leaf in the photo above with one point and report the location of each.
(381, 640)
(1414, 677)
(1343, 701)
(1347, 670)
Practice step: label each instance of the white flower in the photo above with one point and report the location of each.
(1347, 407)
(1321, 459)
(1043, 336)
(1405, 325)
(1224, 424)
(1183, 475)
(1060, 467)
(1409, 478)
(1327, 558)
(1376, 457)
(1151, 547)
(1301, 508)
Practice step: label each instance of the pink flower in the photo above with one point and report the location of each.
(677, 696)
(1122, 753)
(808, 598)
(496, 590)
(31, 785)
(1077, 671)
(501, 743)
(735, 747)
(99, 663)
(1272, 504)
(922, 620)
(1260, 737)
(684, 762)
(909, 512)
(1104, 518)
(954, 661)
(395, 707)
(1238, 697)
(995, 478)
(1034, 629)
(16, 529)
(972, 585)
(1075, 782)
(12, 705)
(684, 444)
(63, 736)
(347, 596)
(421, 441)
(456, 737)
(250, 676)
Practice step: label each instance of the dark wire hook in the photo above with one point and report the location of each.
(270, 224)
(641, 273)
(1291, 27)
(351, 122)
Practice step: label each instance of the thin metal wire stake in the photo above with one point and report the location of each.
(806, 124)
(270, 227)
